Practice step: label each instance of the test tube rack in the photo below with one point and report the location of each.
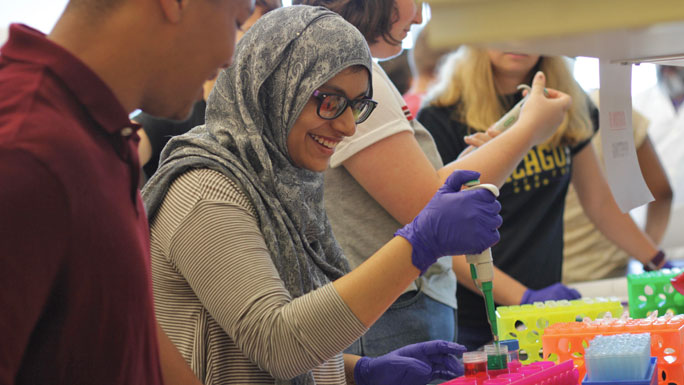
(565, 341)
(537, 373)
(527, 323)
(653, 291)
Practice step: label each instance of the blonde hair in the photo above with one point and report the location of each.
(466, 81)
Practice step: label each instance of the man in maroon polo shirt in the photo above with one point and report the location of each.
(75, 293)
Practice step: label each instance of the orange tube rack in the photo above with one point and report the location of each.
(564, 341)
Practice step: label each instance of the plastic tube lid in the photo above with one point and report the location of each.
(477, 356)
(510, 344)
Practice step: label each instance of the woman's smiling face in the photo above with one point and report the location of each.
(312, 139)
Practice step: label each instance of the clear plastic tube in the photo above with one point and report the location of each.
(497, 360)
(513, 347)
(475, 365)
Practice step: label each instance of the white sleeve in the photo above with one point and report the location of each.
(388, 118)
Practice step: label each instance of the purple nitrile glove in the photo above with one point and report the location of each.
(554, 292)
(454, 222)
(413, 364)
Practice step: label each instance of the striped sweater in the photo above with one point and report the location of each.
(219, 297)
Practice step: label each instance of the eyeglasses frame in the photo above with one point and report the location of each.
(320, 96)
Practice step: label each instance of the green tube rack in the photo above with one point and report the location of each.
(652, 291)
(526, 323)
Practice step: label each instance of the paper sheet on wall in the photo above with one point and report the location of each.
(617, 139)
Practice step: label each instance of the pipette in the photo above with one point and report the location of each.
(482, 267)
(512, 115)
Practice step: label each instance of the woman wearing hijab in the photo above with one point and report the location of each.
(384, 174)
(249, 282)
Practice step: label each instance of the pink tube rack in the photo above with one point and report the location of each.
(537, 373)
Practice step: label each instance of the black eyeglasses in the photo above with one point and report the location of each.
(331, 106)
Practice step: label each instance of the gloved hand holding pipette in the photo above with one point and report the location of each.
(482, 265)
(470, 230)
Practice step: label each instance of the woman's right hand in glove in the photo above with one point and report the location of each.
(454, 222)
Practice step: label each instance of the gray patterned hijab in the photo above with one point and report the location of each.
(278, 64)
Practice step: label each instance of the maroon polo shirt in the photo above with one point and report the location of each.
(75, 294)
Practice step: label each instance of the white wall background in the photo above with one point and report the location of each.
(39, 14)
(587, 75)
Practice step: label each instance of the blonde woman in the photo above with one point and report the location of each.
(476, 88)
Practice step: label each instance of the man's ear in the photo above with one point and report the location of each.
(173, 9)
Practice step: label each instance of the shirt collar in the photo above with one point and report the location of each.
(29, 45)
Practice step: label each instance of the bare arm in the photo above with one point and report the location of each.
(174, 368)
(398, 175)
(599, 205)
(497, 158)
(374, 285)
(658, 211)
(506, 289)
